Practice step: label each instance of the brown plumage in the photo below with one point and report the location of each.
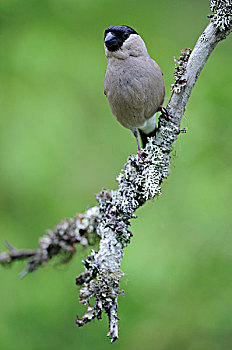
(133, 83)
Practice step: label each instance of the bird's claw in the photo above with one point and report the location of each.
(140, 154)
(164, 112)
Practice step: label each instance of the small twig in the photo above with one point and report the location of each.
(15, 254)
(60, 241)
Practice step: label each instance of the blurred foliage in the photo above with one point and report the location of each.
(59, 145)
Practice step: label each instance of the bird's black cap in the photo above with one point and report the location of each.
(119, 33)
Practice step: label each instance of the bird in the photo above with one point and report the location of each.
(133, 83)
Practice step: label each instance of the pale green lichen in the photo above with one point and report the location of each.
(222, 14)
(138, 182)
(63, 238)
(180, 68)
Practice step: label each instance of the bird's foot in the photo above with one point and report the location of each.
(140, 154)
(164, 112)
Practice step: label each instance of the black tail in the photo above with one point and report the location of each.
(145, 136)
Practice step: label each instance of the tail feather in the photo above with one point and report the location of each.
(148, 130)
(144, 137)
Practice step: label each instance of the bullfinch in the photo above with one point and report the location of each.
(133, 84)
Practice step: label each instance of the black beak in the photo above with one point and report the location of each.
(110, 40)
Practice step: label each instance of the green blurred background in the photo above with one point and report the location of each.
(60, 144)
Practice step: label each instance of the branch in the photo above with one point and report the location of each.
(217, 30)
(138, 182)
(61, 241)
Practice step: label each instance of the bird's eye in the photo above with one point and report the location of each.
(122, 35)
(114, 38)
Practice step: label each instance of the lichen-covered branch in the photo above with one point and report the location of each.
(138, 182)
(61, 241)
(217, 30)
(222, 15)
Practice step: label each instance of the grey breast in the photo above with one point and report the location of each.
(134, 88)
